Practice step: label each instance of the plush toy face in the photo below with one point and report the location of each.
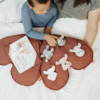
(63, 61)
(47, 53)
(66, 65)
(51, 74)
(61, 41)
(78, 51)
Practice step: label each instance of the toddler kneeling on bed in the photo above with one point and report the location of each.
(39, 13)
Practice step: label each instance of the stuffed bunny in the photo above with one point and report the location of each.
(78, 51)
(47, 53)
(65, 64)
(61, 41)
(51, 74)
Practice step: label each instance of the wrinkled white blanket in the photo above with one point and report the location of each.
(74, 28)
(82, 84)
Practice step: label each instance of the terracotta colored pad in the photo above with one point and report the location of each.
(30, 76)
(78, 62)
(61, 79)
(62, 76)
(4, 58)
(58, 53)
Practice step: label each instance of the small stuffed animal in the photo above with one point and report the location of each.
(78, 51)
(65, 64)
(61, 41)
(51, 74)
(47, 53)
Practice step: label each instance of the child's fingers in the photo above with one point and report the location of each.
(53, 43)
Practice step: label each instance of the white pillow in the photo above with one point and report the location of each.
(10, 10)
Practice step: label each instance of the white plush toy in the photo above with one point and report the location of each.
(65, 64)
(51, 74)
(61, 41)
(78, 51)
(47, 53)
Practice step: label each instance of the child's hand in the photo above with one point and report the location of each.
(51, 39)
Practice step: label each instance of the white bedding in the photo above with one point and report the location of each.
(82, 84)
(10, 10)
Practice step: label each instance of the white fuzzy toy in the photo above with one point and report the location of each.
(64, 63)
(78, 51)
(61, 41)
(51, 74)
(47, 53)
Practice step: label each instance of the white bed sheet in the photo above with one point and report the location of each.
(82, 84)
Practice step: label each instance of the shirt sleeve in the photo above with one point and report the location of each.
(95, 4)
(52, 20)
(27, 23)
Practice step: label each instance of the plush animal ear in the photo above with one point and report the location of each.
(71, 50)
(57, 63)
(53, 68)
(59, 40)
(45, 72)
(46, 60)
(66, 56)
(62, 37)
(42, 55)
(52, 49)
(79, 44)
(47, 47)
(49, 70)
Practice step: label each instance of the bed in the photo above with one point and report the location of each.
(82, 84)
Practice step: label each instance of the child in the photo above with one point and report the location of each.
(39, 13)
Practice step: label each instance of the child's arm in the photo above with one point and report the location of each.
(51, 39)
(47, 30)
(52, 21)
(28, 26)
